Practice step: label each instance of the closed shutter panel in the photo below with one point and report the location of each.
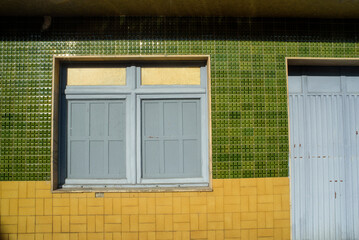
(96, 139)
(171, 131)
(323, 104)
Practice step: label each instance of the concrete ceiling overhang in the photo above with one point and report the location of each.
(231, 8)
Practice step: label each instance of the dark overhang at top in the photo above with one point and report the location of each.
(230, 8)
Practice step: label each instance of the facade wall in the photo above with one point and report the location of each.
(250, 197)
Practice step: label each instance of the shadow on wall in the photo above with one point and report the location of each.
(180, 29)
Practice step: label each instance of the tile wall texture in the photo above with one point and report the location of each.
(256, 208)
(248, 72)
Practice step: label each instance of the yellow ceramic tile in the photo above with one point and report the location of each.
(39, 206)
(125, 220)
(74, 236)
(261, 219)
(129, 236)
(281, 214)
(286, 233)
(228, 221)
(82, 206)
(108, 236)
(48, 207)
(147, 218)
(74, 206)
(265, 232)
(22, 189)
(232, 208)
(253, 234)
(99, 223)
(146, 227)
(164, 235)
(281, 223)
(9, 228)
(277, 202)
(21, 227)
(247, 216)
(14, 208)
(215, 226)
(8, 220)
(61, 236)
(198, 209)
(133, 223)
(95, 210)
(113, 219)
(43, 220)
(182, 226)
(56, 223)
(26, 236)
(269, 219)
(215, 217)
(281, 181)
(248, 224)
(5, 207)
(91, 224)
(265, 207)
(185, 205)
(194, 221)
(43, 228)
(247, 182)
(232, 234)
(61, 210)
(30, 224)
(202, 221)
(248, 191)
(108, 206)
(168, 222)
(277, 233)
(78, 228)
(198, 234)
(10, 185)
(281, 189)
(39, 236)
(61, 202)
(65, 224)
(164, 209)
(43, 193)
(112, 227)
(129, 210)
(265, 198)
(116, 206)
(82, 236)
(31, 186)
(285, 202)
(236, 220)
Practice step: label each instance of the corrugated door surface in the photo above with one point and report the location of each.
(324, 115)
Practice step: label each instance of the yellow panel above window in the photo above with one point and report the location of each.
(96, 76)
(170, 76)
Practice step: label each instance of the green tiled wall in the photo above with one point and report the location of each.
(249, 109)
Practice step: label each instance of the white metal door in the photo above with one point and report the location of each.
(324, 158)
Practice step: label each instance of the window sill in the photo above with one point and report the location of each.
(122, 189)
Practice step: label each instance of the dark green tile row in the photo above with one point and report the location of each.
(249, 103)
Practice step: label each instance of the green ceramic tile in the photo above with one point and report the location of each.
(249, 102)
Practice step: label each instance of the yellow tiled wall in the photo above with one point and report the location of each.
(236, 209)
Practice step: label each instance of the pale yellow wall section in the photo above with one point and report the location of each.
(96, 76)
(236, 209)
(171, 76)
